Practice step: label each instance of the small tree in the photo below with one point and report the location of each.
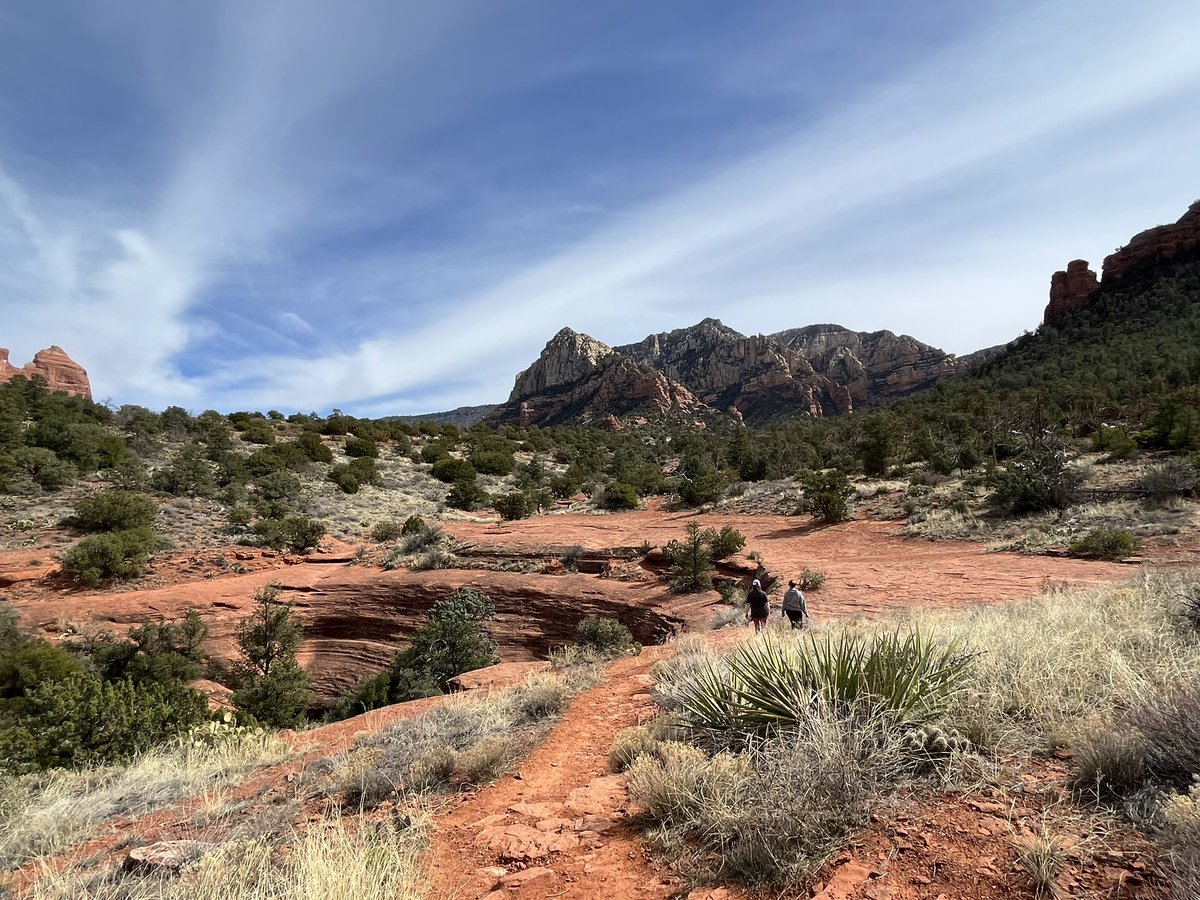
(517, 505)
(691, 560)
(274, 689)
(455, 640)
(726, 542)
(466, 494)
(826, 494)
(619, 495)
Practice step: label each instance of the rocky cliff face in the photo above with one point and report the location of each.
(59, 371)
(872, 366)
(1154, 245)
(1070, 290)
(579, 379)
(710, 368)
(752, 378)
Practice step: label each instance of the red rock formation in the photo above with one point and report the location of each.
(59, 371)
(1155, 245)
(1070, 290)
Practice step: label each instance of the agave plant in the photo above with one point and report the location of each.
(767, 685)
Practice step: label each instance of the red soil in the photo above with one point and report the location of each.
(564, 828)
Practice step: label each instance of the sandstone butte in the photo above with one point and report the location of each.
(59, 371)
(1072, 288)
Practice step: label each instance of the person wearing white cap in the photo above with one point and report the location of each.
(758, 606)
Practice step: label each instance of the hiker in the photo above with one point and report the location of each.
(795, 607)
(758, 606)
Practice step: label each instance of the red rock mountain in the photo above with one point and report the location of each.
(711, 369)
(1070, 290)
(59, 371)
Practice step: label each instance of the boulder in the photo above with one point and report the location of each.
(168, 856)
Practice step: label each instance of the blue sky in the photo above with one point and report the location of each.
(390, 207)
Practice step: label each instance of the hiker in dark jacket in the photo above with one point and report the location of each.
(795, 607)
(758, 606)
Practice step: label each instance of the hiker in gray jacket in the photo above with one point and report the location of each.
(795, 607)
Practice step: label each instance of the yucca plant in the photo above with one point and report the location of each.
(768, 685)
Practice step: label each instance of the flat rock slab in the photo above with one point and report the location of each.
(601, 796)
(164, 856)
(524, 842)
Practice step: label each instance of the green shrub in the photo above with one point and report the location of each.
(826, 495)
(619, 495)
(768, 684)
(450, 470)
(606, 636)
(1034, 483)
(256, 431)
(413, 523)
(455, 640)
(298, 533)
(705, 487)
(189, 473)
(726, 542)
(811, 580)
(43, 467)
(314, 448)
(113, 511)
(1104, 543)
(278, 486)
(434, 452)
(382, 532)
(361, 447)
(466, 494)
(492, 462)
(119, 554)
(83, 721)
(352, 476)
(516, 505)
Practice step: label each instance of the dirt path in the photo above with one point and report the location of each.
(560, 826)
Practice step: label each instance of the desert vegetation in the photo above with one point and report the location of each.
(767, 757)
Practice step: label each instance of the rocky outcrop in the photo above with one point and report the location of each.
(579, 379)
(568, 358)
(357, 618)
(1154, 245)
(711, 369)
(753, 378)
(1070, 290)
(871, 366)
(52, 365)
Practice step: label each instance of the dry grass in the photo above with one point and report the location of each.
(49, 812)
(1053, 667)
(777, 811)
(335, 859)
(1054, 530)
(1044, 857)
(467, 740)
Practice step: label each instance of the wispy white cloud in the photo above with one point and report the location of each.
(742, 242)
(956, 183)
